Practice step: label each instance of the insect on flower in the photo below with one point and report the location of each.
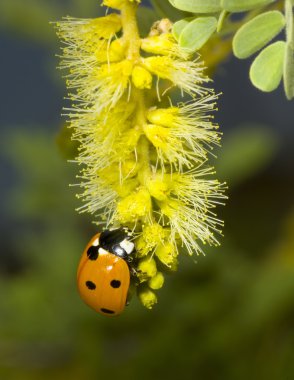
(103, 273)
(143, 157)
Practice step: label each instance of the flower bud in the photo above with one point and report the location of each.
(157, 281)
(126, 143)
(160, 186)
(126, 187)
(152, 235)
(167, 254)
(129, 168)
(161, 44)
(146, 268)
(141, 78)
(134, 206)
(160, 27)
(162, 116)
(147, 297)
(157, 135)
(103, 27)
(118, 47)
(116, 52)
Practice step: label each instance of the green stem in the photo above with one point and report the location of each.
(143, 146)
(289, 22)
(130, 30)
(131, 35)
(288, 76)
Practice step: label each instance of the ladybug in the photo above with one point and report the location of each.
(103, 275)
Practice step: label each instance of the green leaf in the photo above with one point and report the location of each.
(179, 26)
(243, 5)
(197, 32)
(267, 69)
(245, 151)
(197, 6)
(256, 33)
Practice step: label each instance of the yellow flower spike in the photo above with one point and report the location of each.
(163, 44)
(157, 281)
(152, 235)
(141, 78)
(146, 268)
(187, 75)
(167, 254)
(135, 206)
(147, 297)
(141, 168)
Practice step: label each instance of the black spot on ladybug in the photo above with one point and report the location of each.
(90, 285)
(107, 311)
(115, 283)
(93, 252)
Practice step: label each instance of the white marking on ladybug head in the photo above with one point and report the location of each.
(102, 251)
(127, 245)
(96, 242)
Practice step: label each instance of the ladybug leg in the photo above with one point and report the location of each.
(133, 272)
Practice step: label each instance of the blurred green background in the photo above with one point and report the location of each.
(229, 316)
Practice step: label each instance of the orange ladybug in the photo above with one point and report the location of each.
(103, 275)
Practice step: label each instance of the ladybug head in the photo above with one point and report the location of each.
(117, 242)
